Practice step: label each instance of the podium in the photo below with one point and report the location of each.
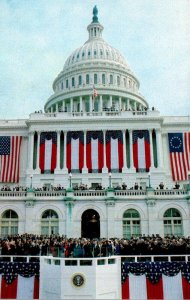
(80, 278)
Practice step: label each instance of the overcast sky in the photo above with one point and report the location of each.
(36, 37)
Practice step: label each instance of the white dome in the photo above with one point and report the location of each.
(96, 63)
(95, 49)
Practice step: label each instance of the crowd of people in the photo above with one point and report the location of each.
(81, 186)
(60, 246)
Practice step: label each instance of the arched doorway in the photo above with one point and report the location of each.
(90, 224)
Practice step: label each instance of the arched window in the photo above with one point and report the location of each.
(9, 223)
(131, 223)
(49, 222)
(103, 79)
(73, 81)
(118, 80)
(95, 78)
(87, 79)
(173, 222)
(111, 79)
(80, 79)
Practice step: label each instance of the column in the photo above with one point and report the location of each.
(31, 151)
(64, 153)
(63, 105)
(57, 109)
(131, 149)
(120, 103)
(84, 170)
(151, 151)
(69, 218)
(90, 99)
(135, 105)
(128, 104)
(71, 104)
(152, 221)
(58, 151)
(29, 212)
(81, 108)
(110, 101)
(159, 148)
(124, 153)
(52, 109)
(104, 170)
(38, 152)
(110, 206)
(101, 104)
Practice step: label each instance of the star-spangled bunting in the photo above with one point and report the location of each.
(154, 270)
(10, 270)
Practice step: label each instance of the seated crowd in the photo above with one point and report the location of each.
(60, 246)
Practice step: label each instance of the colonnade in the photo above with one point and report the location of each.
(127, 150)
(101, 102)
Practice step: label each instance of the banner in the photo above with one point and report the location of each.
(94, 151)
(48, 152)
(141, 150)
(156, 280)
(75, 151)
(19, 280)
(114, 150)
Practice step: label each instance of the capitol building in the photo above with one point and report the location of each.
(98, 161)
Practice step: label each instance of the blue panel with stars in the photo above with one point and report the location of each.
(175, 142)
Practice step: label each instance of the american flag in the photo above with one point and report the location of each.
(95, 93)
(179, 149)
(155, 280)
(10, 158)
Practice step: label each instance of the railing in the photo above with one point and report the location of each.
(124, 258)
(130, 193)
(155, 258)
(93, 193)
(170, 192)
(87, 193)
(50, 193)
(13, 194)
(19, 258)
(105, 113)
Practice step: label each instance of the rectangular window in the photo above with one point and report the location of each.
(95, 78)
(87, 79)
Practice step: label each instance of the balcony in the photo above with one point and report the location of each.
(91, 194)
(107, 113)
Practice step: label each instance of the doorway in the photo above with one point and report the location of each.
(90, 224)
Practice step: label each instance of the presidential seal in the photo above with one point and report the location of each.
(78, 280)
